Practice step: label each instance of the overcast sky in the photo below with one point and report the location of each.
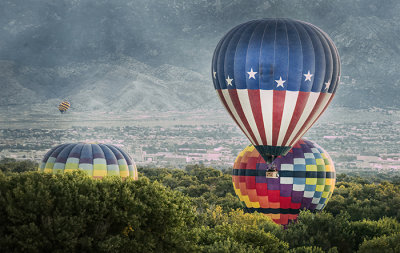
(184, 33)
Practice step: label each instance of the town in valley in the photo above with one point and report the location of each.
(175, 140)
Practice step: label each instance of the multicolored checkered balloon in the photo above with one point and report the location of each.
(97, 160)
(306, 179)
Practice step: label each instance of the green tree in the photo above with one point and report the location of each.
(306, 249)
(202, 172)
(255, 232)
(206, 186)
(367, 229)
(12, 165)
(72, 212)
(230, 246)
(384, 244)
(320, 229)
(366, 201)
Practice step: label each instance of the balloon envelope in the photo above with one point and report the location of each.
(306, 181)
(97, 160)
(275, 77)
(64, 106)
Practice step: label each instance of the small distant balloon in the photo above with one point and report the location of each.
(64, 106)
(303, 179)
(275, 77)
(97, 160)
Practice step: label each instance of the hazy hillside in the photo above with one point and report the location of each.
(12, 91)
(119, 86)
(53, 49)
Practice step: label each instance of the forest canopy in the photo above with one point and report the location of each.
(191, 210)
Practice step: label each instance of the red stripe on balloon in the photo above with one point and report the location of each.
(255, 102)
(239, 110)
(298, 111)
(326, 106)
(221, 96)
(278, 104)
(320, 99)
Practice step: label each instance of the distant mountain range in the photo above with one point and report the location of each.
(100, 85)
(155, 55)
(128, 84)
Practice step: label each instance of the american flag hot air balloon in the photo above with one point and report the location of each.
(275, 77)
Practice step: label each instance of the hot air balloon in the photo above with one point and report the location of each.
(306, 179)
(275, 77)
(64, 106)
(97, 160)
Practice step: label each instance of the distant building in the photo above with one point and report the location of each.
(175, 159)
(138, 154)
(377, 162)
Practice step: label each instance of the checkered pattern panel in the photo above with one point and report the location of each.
(306, 181)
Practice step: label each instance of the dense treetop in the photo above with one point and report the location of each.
(191, 210)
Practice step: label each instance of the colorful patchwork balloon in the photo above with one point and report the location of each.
(306, 179)
(97, 160)
(275, 77)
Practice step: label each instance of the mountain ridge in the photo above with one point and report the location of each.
(117, 86)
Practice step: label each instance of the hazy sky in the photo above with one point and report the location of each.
(48, 33)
